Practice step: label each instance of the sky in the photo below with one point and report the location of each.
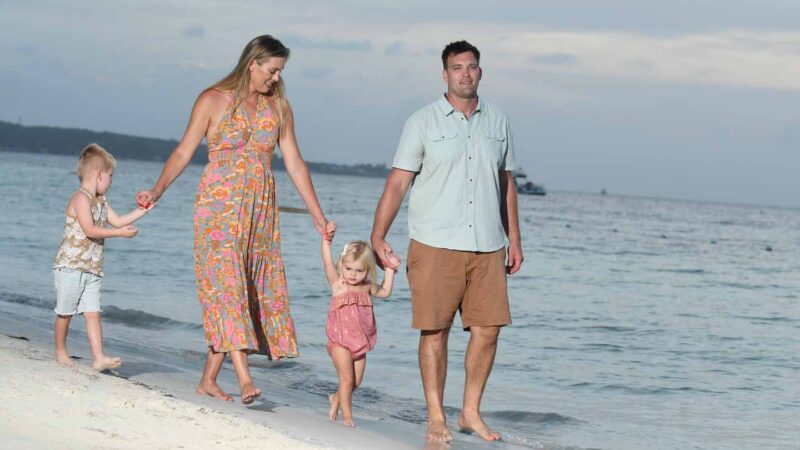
(677, 99)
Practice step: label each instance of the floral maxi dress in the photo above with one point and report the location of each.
(237, 258)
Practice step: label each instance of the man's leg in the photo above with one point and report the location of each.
(478, 364)
(433, 368)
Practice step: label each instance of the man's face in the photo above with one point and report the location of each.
(462, 75)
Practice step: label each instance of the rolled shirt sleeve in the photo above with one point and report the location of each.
(411, 148)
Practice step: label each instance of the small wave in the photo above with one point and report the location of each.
(768, 319)
(527, 417)
(140, 319)
(130, 317)
(685, 271)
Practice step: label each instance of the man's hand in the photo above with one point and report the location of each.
(384, 254)
(514, 258)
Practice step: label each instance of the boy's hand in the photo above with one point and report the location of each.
(128, 232)
(330, 231)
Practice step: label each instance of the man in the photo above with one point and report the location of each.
(458, 154)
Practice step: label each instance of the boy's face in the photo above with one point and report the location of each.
(104, 178)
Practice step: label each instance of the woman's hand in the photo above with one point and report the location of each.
(330, 230)
(147, 199)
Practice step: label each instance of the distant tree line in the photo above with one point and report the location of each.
(69, 141)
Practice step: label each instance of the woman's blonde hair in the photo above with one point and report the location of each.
(259, 49)
(358, 252)
(94, 157)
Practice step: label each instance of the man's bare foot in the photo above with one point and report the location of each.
(65, 360)
(348, 421)
(475, 424)
(250, 393)
(212, 389)
(333, 413)
(438, 432)
(104, 363)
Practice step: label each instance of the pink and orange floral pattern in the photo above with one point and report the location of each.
(240, 276)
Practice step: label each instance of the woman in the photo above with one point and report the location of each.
(240, 278)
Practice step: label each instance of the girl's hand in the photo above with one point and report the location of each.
(394, 262)
(146, 199)
(330, 231)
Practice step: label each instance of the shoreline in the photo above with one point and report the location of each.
(150, 402)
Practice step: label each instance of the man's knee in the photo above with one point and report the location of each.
(487, 335)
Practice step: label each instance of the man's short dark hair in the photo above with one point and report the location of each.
(457, 48)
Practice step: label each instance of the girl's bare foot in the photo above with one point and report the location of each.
(105, 363)
(333, 413)
(65, 360)
(348, 421)
(212, 389)
(250, 393)
(478, 426)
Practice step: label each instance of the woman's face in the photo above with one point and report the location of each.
(263, 76)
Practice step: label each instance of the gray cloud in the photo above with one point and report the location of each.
(556, 59)
(317, 73)
(195, 31)
(396, 48)
(298, 41)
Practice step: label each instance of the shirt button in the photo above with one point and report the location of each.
(470, 203)
(470, 180)
(470, 226)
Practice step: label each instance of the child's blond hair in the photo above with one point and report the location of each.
(359, 252)
(94, 157)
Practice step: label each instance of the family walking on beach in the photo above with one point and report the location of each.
(455, 156)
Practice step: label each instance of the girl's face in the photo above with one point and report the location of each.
(353, 272)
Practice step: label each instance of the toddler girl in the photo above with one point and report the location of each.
(351, 326)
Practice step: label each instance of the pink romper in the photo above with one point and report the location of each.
(351, 323)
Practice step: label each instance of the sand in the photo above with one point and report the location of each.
(45, 405)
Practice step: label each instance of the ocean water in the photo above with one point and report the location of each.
(638, 323)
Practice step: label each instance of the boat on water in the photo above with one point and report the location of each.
(527, 187)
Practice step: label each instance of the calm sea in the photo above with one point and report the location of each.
(638, 323)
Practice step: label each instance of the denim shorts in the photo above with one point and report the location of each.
(76, 292)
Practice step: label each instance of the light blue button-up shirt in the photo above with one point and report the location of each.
(455, 197)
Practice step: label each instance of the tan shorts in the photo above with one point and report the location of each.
(444, 281)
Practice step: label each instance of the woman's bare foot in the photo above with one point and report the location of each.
(64, 359)
(438, 432)
(333, 413)
(212, 389)
(475, 424)
(250, 393)
(348, 421)
(104, 363)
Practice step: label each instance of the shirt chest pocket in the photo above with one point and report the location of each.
(492, 147)
(443, 145)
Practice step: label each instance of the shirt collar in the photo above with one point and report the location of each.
(448, 109)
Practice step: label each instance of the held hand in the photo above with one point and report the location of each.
(321, 223)
(146, 199)
(394, 262)
(330, 231)
(384, 254)
(147, 208)
(514, 258)
(128, 232)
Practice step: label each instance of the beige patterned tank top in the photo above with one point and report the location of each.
(77, 251)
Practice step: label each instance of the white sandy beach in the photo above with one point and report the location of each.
(49, 406)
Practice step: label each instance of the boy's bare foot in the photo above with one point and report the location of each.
(212, 389)
(475, 424)
(250, 393)
(105, 363)
(438, 432)
(333, 413)
(65, 360)
(348, 421)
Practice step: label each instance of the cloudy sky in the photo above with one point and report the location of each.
(682, 99)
